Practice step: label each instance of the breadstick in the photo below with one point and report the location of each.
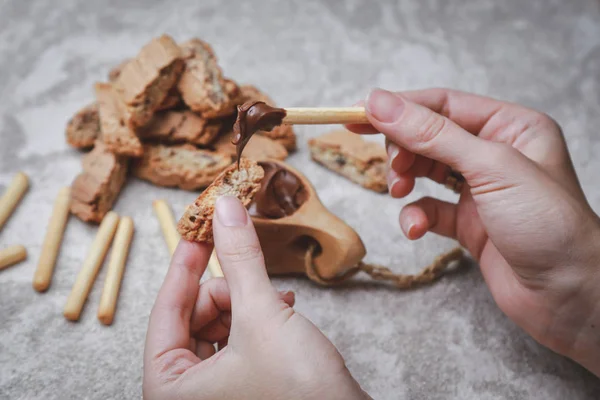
(14, 193)
(214, 266)
(91, 266)
(167, 223)
(53, 240)
(12, 255)
(324, 115)
(116, 267)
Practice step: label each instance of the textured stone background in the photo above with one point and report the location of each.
(445, 341)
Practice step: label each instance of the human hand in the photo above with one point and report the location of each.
(267, 350)
(522, 213)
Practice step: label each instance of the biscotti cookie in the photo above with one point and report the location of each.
(258, 148)
(145, 81)
(183, 166)
(283, 134)
(173, 100)
(84, 128)
(180, 127)
(202, 85)
(96, 188)
(117, 135)
(243, 183)
(115, 71)
(349, 155)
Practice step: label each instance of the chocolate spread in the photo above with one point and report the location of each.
(280, 195)
(254, 116)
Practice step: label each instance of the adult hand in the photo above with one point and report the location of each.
(267, 350)
(522, 213)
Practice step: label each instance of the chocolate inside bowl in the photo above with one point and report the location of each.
(292, 224)
(281, 194)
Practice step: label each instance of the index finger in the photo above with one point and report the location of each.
(470, 111)
(361, 128)
(169, 326)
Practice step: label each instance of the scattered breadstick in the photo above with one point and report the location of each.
(53, 240)
(324, 115)
(167, 224)
(116, 267)
(14, 193)
(12, 255)
(91, 266)
(214, 266)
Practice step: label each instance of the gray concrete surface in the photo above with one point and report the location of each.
(445, 341)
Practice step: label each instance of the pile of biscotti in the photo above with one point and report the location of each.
(166, 116)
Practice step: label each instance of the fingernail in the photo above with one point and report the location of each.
(410, 230)
(392, 182)
(288, 293)
(392, 178)
(384, 106)
(231, 212)
(408, 227)
(393, 151)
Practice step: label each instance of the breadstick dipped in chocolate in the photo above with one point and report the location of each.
(256, 115)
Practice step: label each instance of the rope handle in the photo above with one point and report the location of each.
(427, 275)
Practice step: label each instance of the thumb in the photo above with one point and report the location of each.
(241, 257)
(425, 132)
